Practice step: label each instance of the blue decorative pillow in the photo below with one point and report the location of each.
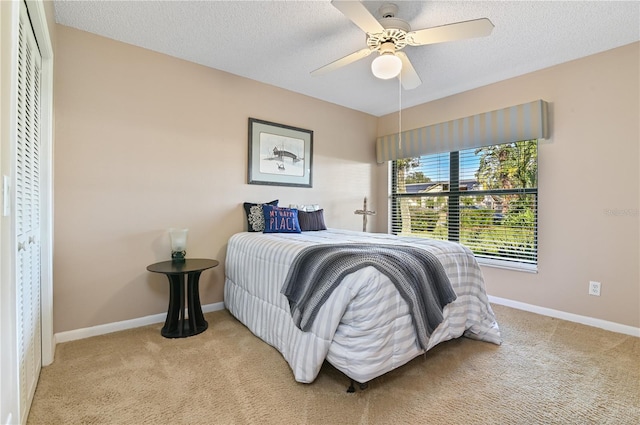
(280, 220)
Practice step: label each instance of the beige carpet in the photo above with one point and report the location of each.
(547, 371)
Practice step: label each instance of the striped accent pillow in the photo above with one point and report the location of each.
(310, 221)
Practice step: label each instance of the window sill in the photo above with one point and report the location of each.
(508, 265)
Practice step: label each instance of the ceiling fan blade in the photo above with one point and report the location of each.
(408, 76)
(458, 31)
(359, 15)
(360, 54)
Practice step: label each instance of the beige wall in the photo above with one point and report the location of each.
(145, 142)
(587, 169)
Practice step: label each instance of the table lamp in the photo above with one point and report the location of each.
(178, 244)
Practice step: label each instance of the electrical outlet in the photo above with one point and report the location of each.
(594, 288)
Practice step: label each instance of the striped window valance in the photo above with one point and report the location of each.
(522, 122)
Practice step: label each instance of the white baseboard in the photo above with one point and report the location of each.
(121, 326)
(159, 318)
(584, 320)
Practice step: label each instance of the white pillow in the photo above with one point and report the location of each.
(305, 208)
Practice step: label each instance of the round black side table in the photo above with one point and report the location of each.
(176, 325)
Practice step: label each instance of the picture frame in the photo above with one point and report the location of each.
(279, 155)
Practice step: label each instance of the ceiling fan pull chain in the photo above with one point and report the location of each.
(400, 111)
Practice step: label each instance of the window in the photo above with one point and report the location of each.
(485, 198)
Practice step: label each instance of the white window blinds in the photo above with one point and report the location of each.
(484, 198)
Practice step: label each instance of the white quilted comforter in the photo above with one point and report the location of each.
(364, 329)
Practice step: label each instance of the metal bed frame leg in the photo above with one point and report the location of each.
(352, 389)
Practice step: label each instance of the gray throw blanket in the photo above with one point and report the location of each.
(417, 274)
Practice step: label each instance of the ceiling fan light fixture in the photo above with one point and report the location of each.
(386, 66)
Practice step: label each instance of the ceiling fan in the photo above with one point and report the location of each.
(389, 35)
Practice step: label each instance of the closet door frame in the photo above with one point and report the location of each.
(41, 30)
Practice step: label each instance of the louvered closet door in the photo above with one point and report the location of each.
(27, 210)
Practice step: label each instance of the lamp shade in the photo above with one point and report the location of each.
(178, 243)
(386, 66)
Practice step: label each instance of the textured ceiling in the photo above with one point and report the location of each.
(281, 42)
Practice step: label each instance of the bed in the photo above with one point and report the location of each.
(364, 329)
